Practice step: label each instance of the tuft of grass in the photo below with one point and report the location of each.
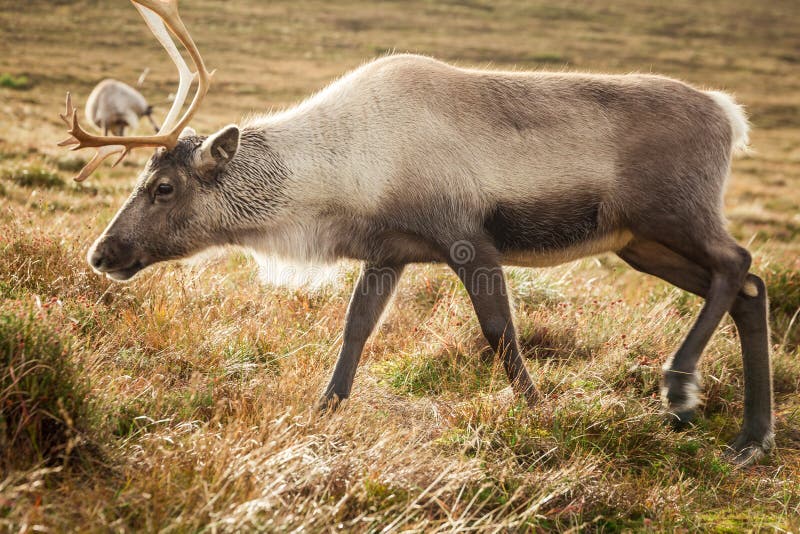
(549, 58)
(40, 264)
(10, 81)
(783, 288)
(71, 163)
(783, 285)
(244, 358)
(43, 393)
(378, 495)
(31, 175)
(434, 374)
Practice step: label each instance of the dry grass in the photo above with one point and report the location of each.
(201, 382)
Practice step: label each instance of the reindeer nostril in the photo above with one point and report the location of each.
(96, 259)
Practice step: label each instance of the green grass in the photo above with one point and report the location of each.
(71, 164)
(435, 374)
(14, 82)
(33, 176)
(783, 283)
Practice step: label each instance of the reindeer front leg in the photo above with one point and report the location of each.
(372, 292)
(476, 262)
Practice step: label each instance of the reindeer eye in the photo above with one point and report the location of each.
(164, 189)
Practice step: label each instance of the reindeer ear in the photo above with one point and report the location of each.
(218, 149)
(187, 132)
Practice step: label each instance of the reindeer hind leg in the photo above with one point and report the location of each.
(749, 312)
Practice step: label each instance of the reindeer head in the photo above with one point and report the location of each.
(169, 214)
(178, 207)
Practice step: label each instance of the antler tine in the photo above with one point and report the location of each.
(167, 10)
(78, 139)
(68, 111)
(102, 153)
(185, 75)
(69, 117)
(105, 145)
(159, 15)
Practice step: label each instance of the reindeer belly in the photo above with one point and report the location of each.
(610, 242)
(552, 230)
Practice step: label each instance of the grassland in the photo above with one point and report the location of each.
(184, 400)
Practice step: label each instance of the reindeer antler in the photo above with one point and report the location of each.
(159, 15)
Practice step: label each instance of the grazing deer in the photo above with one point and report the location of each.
(408, 159)
(114, 106)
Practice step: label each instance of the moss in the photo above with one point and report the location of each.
(729, 521)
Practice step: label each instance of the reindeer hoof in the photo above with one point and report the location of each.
(745, 451)
(329, 404)
(748, 455)
(679, 420)
(680, 394)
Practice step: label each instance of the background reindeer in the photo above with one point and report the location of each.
(114, 106)
(408, 159)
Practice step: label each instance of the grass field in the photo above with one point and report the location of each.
(184, 401)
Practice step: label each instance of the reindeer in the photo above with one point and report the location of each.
(407, 159)
(114, 105)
